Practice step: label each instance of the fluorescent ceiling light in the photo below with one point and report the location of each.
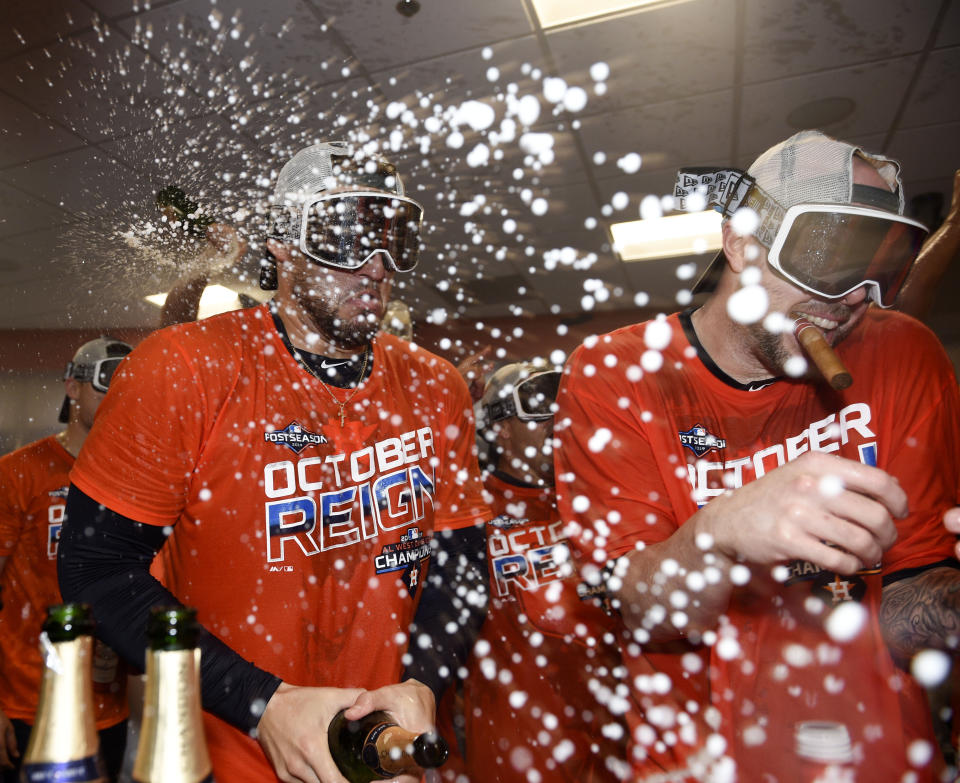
(667, 237)
(553, 13)
(215, 299)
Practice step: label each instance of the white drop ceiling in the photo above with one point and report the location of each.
(102, 102)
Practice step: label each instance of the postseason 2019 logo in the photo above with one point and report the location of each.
(700, 441)
(295, 437)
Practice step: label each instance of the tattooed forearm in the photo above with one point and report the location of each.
(922, 611)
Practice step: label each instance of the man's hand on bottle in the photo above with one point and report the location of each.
(411, 703)
(8, 743)
(293, 731)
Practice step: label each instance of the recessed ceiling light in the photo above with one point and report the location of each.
(667, 237)
(553, 13)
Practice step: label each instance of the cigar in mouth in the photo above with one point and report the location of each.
(818, 350)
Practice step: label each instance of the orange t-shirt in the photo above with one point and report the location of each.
(527, 707)
(302, 544)
(33, 491)
(674, 438)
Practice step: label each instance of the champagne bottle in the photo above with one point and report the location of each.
(182, 212)
(64, 744)
(376, 748)
(172, 747)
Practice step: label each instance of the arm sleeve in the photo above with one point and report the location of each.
(451, 610)
(460, 489)
(104, 560)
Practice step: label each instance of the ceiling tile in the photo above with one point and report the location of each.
(662, 134)
(926, 106)
(928, 153)
(19, 212)
(949, 33)
(787, 39)
(241, 51)
(77, 181)
(27, 24)
(653, 56)
(24, 136)
(98, 86)
(876, 91)
(382, 38)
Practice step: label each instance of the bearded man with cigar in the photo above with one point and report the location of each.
(767, 536)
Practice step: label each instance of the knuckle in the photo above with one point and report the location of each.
(805, 484)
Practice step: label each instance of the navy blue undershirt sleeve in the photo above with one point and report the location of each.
(452, 608)
(104, 560)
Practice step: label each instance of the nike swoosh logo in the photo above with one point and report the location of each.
(325, 365)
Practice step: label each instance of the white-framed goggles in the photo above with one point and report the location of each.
(532, 399)
(345, 230)
(97, 374)
(833, 249)
(827, 249)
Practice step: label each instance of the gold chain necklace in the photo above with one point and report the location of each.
(351, 395)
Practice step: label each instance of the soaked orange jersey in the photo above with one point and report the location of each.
(645, 449)
(528, 705)
(33, 491)
(303, 544)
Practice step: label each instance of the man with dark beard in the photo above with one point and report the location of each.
(783, 536)
(294, 470)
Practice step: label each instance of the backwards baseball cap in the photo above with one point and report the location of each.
(344, 229)
(527, 390)
(829, 250)
(94, 363)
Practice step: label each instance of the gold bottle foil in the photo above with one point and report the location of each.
(392, 746)
(64, 734)
(172, 747)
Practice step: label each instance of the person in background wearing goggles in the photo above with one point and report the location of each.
(296, 470)
(33, 490)
(785, 538)
(539, 638)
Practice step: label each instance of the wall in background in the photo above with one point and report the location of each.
(31, 386)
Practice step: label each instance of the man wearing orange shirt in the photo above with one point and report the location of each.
(33, 490)
(294, 470)
(539, 692)
(786, 533)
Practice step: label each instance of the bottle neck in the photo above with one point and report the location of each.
(64, 729)
(172, 747)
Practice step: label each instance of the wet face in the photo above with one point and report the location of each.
(345, 307)
(342, 306)
(527, 450)
(86, 400)
(836, 318)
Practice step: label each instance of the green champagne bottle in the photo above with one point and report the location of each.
(182, 212)
(376, 748)
(172, 747)
(64, 744)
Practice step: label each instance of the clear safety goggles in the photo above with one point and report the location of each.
(344, 230)
(833, 249)
(533, 399)
(97, 374)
